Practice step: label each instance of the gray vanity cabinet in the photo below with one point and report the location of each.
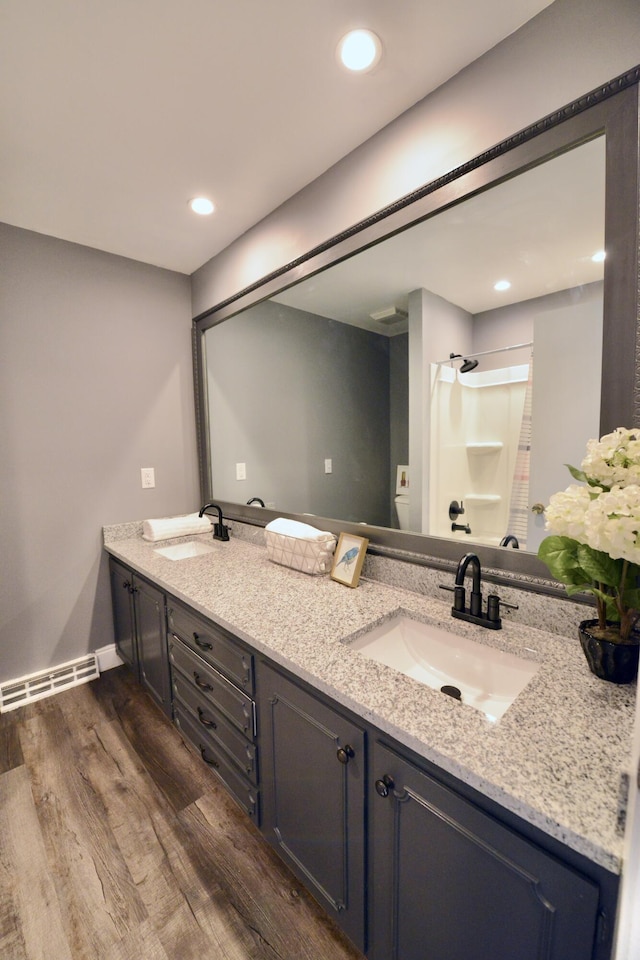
(313, 783)
(140, 631)
(450, 882)
(411, 863)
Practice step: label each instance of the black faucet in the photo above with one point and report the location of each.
(220, 531)
(455, 509)
(475, 609)
(460, 526)
(255, 500)
(473, 613)
(510, 539)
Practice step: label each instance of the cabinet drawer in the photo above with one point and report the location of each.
(215, 757)
(214, 645)
(241, 751)
(233, 703)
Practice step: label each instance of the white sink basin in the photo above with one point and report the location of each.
(486, 678)
(182, 551)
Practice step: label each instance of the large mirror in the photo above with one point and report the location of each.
(337, 395)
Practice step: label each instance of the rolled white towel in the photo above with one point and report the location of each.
(165, 528)
(298, 530)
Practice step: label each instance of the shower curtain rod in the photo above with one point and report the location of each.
(486, 353)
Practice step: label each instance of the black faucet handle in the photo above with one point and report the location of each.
(493, 608)
(494, 604)
(458, 596)
(455, 509)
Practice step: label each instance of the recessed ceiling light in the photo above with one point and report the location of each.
(359, 50)
(201, 205)
(501, 285)
(599, 256)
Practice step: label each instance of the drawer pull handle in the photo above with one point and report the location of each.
(204, 721)
(212, 763)
(202, 643)
(200, 683)
(344, 754)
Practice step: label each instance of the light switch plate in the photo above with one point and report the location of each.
(241, 471)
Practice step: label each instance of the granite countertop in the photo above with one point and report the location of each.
(557, 756)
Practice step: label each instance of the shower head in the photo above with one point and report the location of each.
(467, 365)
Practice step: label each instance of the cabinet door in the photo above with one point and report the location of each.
(451, 883)
(153, 657)
(312, 781)
(123, 616)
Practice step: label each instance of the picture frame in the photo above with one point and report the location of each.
(348, 559)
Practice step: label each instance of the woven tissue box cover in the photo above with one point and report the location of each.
(309, 556)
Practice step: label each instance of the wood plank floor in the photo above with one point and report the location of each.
(116, 843)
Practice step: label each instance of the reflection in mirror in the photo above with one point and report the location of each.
(338, 397)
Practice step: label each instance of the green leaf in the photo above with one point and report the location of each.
(577, 474)
(560, 554)
(599, 566)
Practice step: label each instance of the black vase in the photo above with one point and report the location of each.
(615, 662)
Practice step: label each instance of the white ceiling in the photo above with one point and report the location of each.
(115, 113)
(538, 230)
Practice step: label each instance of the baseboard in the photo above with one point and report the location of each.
(108, 658)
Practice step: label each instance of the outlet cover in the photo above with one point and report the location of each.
(241, 471)
(148, 476)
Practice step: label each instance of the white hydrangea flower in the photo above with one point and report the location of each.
(566, 514)
(604, 516)
(614, 459)
(612, 523)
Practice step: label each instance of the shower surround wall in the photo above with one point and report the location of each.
(475, 427)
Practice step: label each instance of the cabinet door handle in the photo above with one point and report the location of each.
(202, 643)
(206, 723)
(200, 683)
(344, 754)
(212, 763)
(383, 786)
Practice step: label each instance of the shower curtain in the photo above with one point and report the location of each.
(519, 504)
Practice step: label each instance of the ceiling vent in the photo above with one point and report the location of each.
(390, 316)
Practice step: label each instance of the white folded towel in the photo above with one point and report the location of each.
(299, 545)
(165, 528)
(298, 530)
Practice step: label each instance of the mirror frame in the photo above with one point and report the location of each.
(610, 110)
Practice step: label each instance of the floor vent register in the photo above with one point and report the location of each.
(36, 686)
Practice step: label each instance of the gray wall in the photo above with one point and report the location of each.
(567, 50)
(289, 389)
(96, 383)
